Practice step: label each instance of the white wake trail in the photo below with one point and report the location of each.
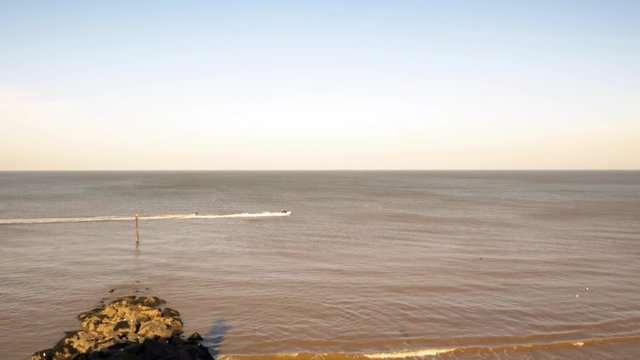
(140, 217)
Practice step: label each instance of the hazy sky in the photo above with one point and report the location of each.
(319, 84)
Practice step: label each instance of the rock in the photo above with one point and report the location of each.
(155, 329)
(134, 338)
(109, 311)
(64, 352)
(173, 323)
(92, 312)
(46, 354)
(125, 328)
(82, 341)
(169, 312)
(148, 313)
(150, 301)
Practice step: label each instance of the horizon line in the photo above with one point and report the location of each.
(316, 170)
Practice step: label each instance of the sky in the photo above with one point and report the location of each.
(319, 85)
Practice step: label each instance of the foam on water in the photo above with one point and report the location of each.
(409, 354)
(432, 352)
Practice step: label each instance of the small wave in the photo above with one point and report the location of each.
(432, 352)
(409, 354)
(341, 356)
(141, 217)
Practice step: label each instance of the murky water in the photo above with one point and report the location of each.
(452, 265)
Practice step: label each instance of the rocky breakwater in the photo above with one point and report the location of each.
(128, 328)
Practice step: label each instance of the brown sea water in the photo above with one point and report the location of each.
(451, 265)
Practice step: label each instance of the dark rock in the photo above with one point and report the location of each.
(124, 324)
(169, 312)
(92, 312)
(63, 351)
(128, 328)
(46, 354)
(149, 301)
(122, 348)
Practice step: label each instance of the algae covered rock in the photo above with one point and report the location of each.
(128, 327)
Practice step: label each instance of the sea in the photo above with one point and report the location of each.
(368, 264)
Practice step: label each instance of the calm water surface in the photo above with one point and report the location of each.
(507, 265)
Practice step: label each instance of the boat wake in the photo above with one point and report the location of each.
(140, 217)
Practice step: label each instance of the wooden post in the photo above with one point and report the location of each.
(137, 232)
